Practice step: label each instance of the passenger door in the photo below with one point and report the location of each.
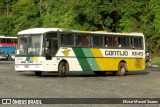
(51, 45)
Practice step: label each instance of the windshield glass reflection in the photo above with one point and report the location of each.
(30, 45)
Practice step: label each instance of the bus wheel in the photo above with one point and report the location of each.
(100, 73)
(38, 73)
(121, 69)
(62, 69)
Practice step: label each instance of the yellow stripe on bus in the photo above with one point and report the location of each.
(99, 58)
(35, 59)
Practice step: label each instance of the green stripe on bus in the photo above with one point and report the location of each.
(93, 64)
(29, 58)
(82, 59)
(87, 52)
(92, 61)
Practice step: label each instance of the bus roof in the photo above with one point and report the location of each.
(113, 33)
(38, 30)
(8, 37)
(45, 30)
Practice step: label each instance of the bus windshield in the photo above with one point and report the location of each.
(30, 44)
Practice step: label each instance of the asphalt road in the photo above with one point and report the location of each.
(139, 84)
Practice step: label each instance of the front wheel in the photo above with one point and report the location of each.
(122, 69)
(38, 73)
(63, 67)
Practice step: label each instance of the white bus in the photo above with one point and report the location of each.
(54, 49)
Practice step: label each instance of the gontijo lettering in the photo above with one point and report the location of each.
(116, 53)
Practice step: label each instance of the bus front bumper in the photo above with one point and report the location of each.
(28, 67)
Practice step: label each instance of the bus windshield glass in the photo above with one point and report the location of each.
(30, 44)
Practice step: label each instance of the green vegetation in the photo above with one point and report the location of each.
(109, 15)
(156, 61)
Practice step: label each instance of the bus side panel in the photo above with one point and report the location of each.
(50, 65)
(136, 64)
(74, 65)
(104, 64)
(111, 64)
(133, 64)
(94, 59)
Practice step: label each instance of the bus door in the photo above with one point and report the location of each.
(51, 45)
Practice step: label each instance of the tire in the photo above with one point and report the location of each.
(100, 73)
(38, 73)
(62, 69)
(121, 69)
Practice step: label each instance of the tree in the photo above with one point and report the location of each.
(109, 15)
(26, 15)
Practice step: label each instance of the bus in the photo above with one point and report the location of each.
(7, 46)
(59, 50)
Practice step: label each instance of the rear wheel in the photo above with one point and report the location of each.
(63, 67)
(38, 73)
(121, 69)
(100, 73)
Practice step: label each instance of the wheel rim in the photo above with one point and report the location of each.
(122, 69)
(63, 69)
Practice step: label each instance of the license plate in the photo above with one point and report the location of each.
(26, 66)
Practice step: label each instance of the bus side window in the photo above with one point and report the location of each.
(109, 41)
(2, 40)
(86, 40)
(67, 39)
(78, 40)
(124, 41)
(9, 40)
(70, 39)
(82, 40)
(138, 42)
(117, 42)
(97, 40)
(131, 44)
(101, 41)
(114, 41)
(64, 39)
(106, 42)
(91, 41)
(14, 41)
